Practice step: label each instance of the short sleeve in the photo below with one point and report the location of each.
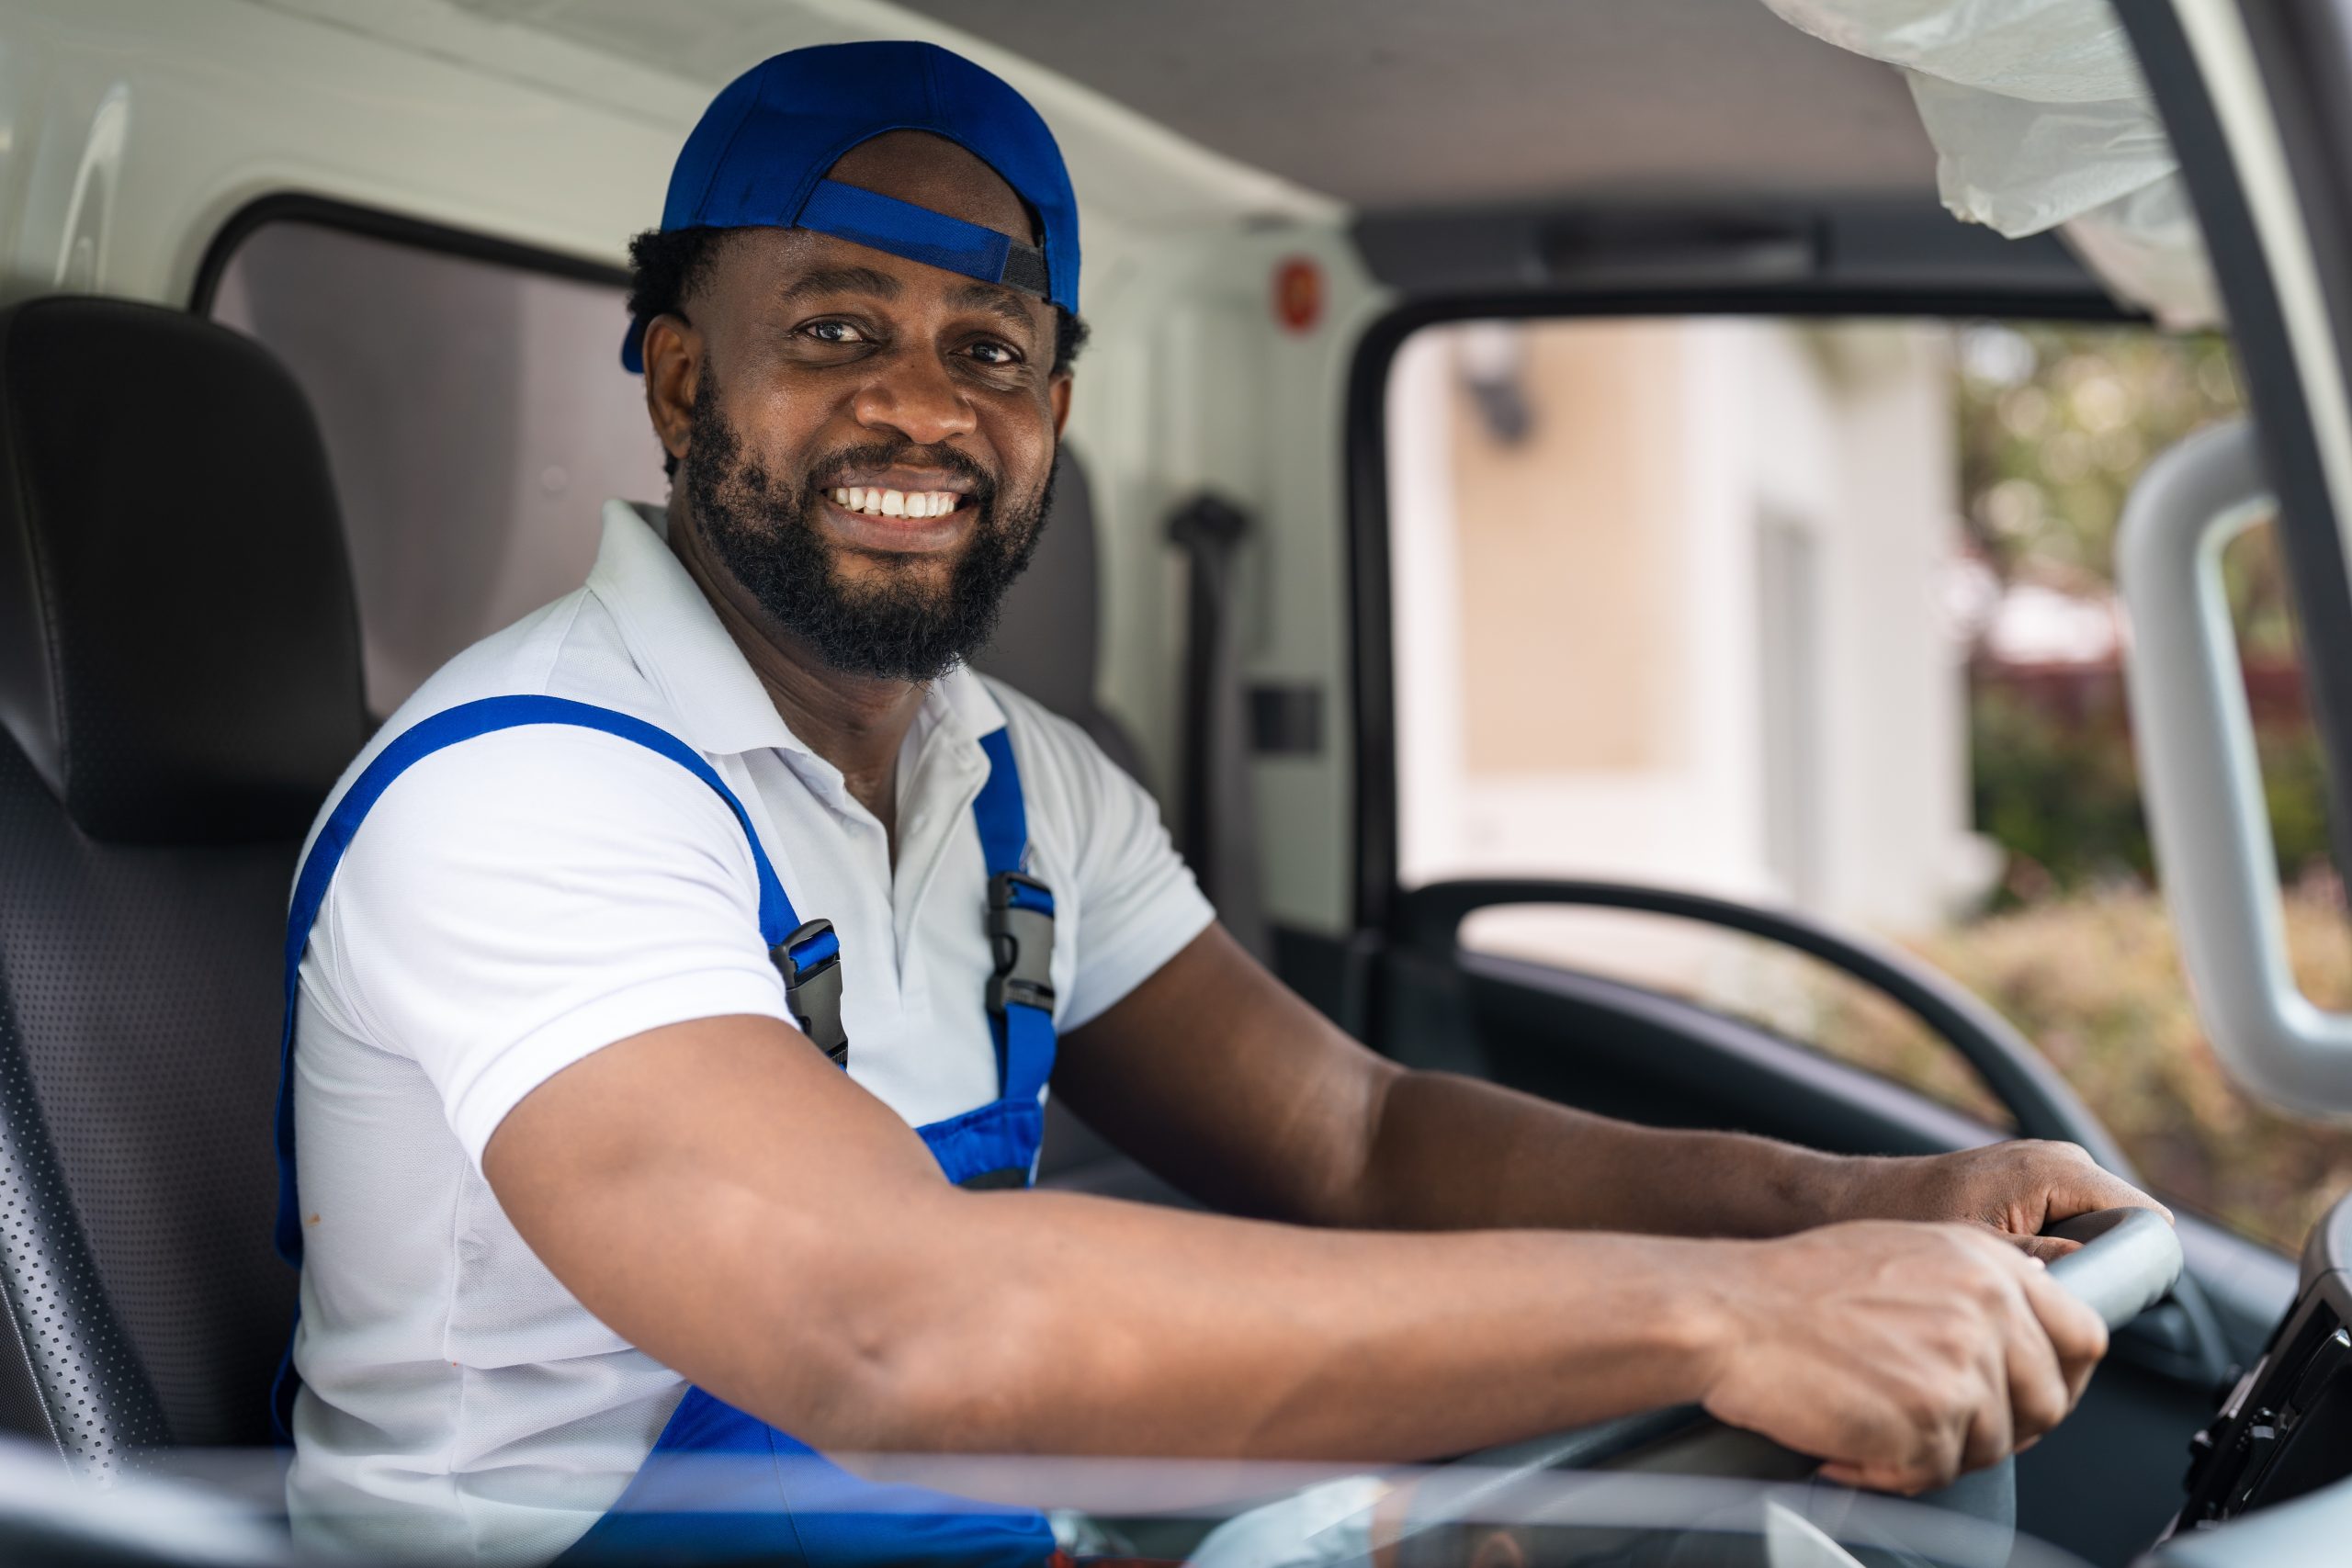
(518, 901)
(1138, 903)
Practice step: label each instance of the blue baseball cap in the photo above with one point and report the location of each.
(758, 160)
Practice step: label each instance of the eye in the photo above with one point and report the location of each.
(835, 332)
(996, 353)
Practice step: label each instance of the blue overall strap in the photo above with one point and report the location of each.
(723, 1489)
(1020, 930)
(810, 946)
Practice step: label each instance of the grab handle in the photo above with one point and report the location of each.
(2206, 811)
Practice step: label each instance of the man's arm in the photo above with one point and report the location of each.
(735, 1206)
(1222, 1080)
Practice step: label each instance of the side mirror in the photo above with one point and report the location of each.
(2195, 739)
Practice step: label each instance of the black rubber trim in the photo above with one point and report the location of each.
(2316, 579)
(324, 212)
(1428, 920)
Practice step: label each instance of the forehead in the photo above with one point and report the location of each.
(931, 171)
(912, 166)
(800, 267)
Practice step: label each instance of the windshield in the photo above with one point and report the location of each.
(1824, 614)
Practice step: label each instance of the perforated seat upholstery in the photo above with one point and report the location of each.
(180, 686)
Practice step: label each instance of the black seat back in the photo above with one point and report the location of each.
(179, 687)
(1048, 641)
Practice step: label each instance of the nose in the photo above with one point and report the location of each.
(914, 395)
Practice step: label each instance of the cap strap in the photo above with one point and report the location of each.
(885, 223)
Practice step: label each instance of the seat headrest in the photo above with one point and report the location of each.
(180, 644)
(1046, 641)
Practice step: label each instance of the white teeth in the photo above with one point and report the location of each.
(876, 501)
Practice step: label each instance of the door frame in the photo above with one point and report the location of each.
(1373, 666)
(2266, 186)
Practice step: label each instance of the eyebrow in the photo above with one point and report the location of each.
(998, 299)
(839, 281)
(993, 298)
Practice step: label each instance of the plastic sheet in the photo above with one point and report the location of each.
(2039, 121)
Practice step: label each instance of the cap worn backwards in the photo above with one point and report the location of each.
(759, 156)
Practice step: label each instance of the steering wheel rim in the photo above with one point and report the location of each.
(2129, 1258)
(1429, 920)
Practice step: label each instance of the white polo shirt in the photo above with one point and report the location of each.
(519, 900)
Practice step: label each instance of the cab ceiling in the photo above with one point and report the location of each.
(1418, 103)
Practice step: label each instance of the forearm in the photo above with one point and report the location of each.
(783, 1240)
(1450, 1152)
(1229, 1086)
(1075, 1324)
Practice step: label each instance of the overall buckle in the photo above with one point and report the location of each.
(810, 961)
(1021, 935)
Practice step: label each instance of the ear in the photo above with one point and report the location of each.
(1057, 393)
(672, 348)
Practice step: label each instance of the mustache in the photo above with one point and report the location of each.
(825, 473)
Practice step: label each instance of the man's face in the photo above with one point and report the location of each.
(867, 441)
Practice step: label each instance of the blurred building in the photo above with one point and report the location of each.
(1671, 607)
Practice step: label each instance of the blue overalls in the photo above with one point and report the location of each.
(722, 1486)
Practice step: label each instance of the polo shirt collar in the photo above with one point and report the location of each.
(678, 640)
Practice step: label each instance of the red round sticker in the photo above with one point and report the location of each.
(1298, 293)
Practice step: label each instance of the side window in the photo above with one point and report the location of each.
(1822, 615)
(476, 418)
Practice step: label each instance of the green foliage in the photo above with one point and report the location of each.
(2060, 794)
(2294, 783)
(2056, 422)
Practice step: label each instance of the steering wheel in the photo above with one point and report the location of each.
(2129, 1260)
(1428, 920)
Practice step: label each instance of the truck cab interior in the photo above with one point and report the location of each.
(306, 383)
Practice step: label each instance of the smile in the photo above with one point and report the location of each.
(875, 501)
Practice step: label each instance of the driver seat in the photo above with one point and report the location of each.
(179, 687)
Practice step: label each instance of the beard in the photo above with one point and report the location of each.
(769, 535)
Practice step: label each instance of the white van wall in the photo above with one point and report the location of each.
(132, 131)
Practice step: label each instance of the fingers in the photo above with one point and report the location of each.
(1876, 1478)
(2040, 1248)
(2043, 1338)
(2040, 1394)
(1906, 1446)
(2020, 1377)
(1933, 1349)
(1991, 1426)
(2073, 1331)
(2080, 1185)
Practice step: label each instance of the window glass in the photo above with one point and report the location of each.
(1822, 615)
(475, 416)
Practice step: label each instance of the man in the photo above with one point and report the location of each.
(584, 1189)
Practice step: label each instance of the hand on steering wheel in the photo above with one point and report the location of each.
(1899, 1354)
(2128, 1259)
(2019, 1189)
